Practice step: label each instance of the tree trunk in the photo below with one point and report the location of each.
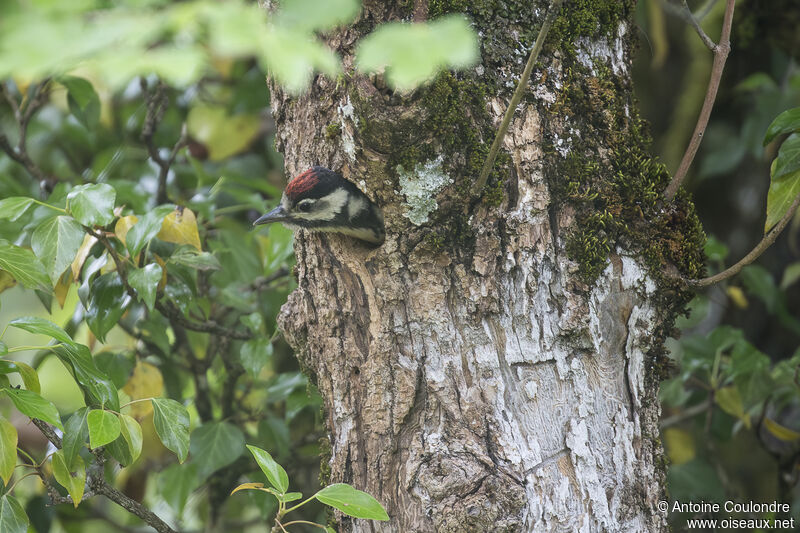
(493, 366)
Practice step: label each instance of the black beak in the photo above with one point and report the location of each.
(276, 215)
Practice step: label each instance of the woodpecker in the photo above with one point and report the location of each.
(322, 200)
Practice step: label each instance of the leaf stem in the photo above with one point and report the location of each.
(289, 510)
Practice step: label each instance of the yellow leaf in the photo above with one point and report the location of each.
(180, 227)
(80, 257)
(222, 134)
(737, 296)
(62, 288)
(6, 280)
(679, 444)
(247, 486)
(145, 382)
(781, 432)
(730, 401)
(123, 225)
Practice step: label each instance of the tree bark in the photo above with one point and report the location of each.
(474, 379)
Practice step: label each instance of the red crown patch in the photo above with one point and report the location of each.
(302, 183)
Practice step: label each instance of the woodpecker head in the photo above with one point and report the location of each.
(322, 200)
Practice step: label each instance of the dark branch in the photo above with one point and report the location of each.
(477, 187)
(721, 52)
(156, 106)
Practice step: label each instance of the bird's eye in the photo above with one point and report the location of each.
(305, 206)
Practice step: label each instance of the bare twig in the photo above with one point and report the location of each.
(754, 254)
(721, 52)
(23, 113)
(477, 187)
(156, 105)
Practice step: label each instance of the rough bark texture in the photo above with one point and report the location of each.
(473, 378)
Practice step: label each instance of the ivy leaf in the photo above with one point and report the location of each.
(12, 516)
(730, 401)
(145, 282)
(56, 243)
(40, 326)
(180, 227)
(76, 431)
(72, 478)
(313, 15)
(146, 228)
(92, 204)
(275, 473)
(14, 207)
(106, 305)
(786, 122)
(34, 406)
(189, 256)
(132, 433)
(24, 266)
(82, 99)
(172, 425)
(215, 445)
(224, 135)
(104, 427)
(8, 449)
(352, 502)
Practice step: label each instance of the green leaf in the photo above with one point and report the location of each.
(788, 160)
(56, 243)
(12, 516)
(34, 406)
(189, 256)
(176, 482)
(104, 427)
(215, 445)
(352, 502)
(316, 15)
(97, 389)
(83, 101)
(786, 122)
(275, 473)
(3, 348)
(224, 135)
(76, 431)
(29, 376)
(132, 433)
(172, 425)
(145, 282)
(730, 401)
(780, 197)
(291, 496)
(40, 326)
(24, 266)
(254, 354)
(106, 305)
(72, 477)
(412, 54)
(790, 275)
(292, 58)
(14, 207)
(8, 449)
(93, 204)
(780, 431)
(146, 228)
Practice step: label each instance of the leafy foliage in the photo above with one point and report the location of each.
(139, 152)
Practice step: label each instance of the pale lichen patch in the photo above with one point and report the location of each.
(420, 187)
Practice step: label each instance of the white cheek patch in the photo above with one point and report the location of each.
(285, 203)
(356, 205)
(327, 207)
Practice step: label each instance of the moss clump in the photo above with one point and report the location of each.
(333, 130)
(615, 185)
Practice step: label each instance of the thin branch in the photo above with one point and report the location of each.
(23, 115)
(99, 485)
(754, 254)
(721, 52)
(477, 187)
